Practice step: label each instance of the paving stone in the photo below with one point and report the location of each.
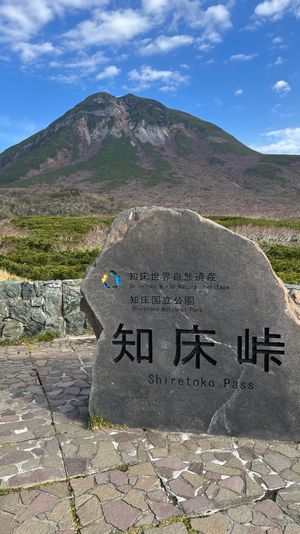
(185, 462)
(269, 508)
(175, 528)
(233, 483)
(106, 492)
(195, 480)
(137, 499)
(46, 509)
(174, 464)
(216, 523)
(277, 461)
(292, 529)
(273, 481)
(196, 505)
(227, 496)
(240, 514)
(120, 514)
(181, 488)
(164, 510)
(89, 511)
(33, 468)
(143, 469)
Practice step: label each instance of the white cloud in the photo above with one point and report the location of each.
(284, 141)
(155, 6)
(164, 44)
(22, 20)
(107, 28)
(239, 92)
(22, 25)
(147, 76)
(67, 79)
(83, 62)
(109, 72)
(242, 57)
(279, 61)
(281, 87)
(29, 52)
(277, 41)
(276, 9)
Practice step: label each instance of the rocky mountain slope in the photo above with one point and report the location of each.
(133, 150)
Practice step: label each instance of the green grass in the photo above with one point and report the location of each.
(53, 228)
(97, 421)
(285, 261)
(47, 336)
(39, 257)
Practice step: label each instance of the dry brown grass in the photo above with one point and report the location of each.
(269, 234)
(5, 276)
(8, 230)
(95, 238)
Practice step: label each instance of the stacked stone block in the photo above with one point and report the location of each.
(33, 308)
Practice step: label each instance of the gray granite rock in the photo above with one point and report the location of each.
(3, 309)
(173, 298)
(75, 322)
(12, 329)
(10, 289)
(71, 296)
(33, 328)
(53, 299)
(27, 290)
(38, 315)
(20, 310)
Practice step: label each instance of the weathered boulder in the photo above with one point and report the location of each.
(195, 331)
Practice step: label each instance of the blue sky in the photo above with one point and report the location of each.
(234, 63)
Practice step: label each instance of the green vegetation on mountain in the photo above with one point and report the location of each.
(114, 150)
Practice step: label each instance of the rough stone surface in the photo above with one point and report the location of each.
(73, 479)
(33, 308)
(183, 275)
(12, 329)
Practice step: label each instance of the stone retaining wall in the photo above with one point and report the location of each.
(32, 308)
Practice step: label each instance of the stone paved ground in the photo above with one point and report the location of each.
(59, 476)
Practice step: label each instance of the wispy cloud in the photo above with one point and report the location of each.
(284, 141)
(29, 52)
(239, 92)
(22, 20)
(243, 57)
(146, 76)
(164, 44)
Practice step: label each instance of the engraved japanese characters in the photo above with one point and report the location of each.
(195, 331)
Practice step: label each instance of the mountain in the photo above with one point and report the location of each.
(134, 150)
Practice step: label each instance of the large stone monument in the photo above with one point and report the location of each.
(195, 331)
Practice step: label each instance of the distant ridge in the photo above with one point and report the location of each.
(138, 151)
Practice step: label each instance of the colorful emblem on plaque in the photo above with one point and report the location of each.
(111, 280)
